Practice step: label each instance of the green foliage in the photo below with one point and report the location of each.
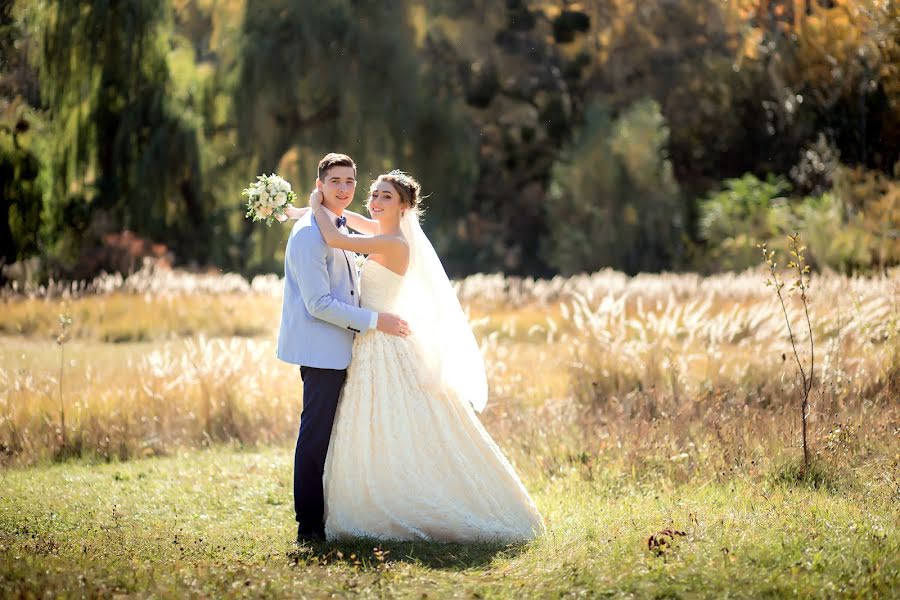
(850, 228)
(126, 155)
(21, 166)
(348, 77)
(833, 234)
(613, 201)
(154, 115)
(21, 190)
(745, 213)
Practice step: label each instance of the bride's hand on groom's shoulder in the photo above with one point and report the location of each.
(315, 199)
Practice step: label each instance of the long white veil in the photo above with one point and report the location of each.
(429, 304)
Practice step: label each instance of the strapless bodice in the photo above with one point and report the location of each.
(379, 287)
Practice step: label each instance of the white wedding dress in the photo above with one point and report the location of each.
(406, 460)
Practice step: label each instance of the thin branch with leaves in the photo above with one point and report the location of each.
(65, 323)
(801, 283)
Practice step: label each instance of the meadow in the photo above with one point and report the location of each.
(655, 419)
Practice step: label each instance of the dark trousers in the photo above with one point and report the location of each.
(321, 390)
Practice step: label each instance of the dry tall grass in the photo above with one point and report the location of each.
(669, 376)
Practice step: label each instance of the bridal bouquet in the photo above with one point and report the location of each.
(268, 197)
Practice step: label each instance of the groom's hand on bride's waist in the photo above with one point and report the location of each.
(392, 325)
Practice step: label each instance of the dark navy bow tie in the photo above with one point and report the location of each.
(341, 221)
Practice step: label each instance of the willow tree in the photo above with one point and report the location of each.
(125, 155)
(20, 165)
(341, 76)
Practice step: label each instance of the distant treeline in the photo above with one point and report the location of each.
(552, 137)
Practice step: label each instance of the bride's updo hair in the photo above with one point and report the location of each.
(409, 189)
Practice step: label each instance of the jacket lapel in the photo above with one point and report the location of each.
(347, 258)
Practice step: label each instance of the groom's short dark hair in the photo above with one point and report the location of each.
(333, 159)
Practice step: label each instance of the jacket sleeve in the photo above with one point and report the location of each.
(307, 261)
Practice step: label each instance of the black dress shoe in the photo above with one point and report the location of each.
(305, 536)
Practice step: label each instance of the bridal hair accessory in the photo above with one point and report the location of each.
(267, 198)
(403, 177)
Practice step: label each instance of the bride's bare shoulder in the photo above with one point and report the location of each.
(396, 240)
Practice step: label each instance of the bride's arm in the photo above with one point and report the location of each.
(361, 244)
(355, 221)
(362, 224)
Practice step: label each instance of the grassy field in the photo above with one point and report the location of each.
(655, 420)
(219, 523)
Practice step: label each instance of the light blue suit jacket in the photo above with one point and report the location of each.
(320, 312)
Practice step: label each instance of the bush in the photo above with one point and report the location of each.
(853, 227)
(746, 212)
(833, 239)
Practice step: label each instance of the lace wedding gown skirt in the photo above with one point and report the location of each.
(407, 462)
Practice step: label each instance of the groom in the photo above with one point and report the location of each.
(320, 315)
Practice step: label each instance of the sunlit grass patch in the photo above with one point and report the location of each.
(635, 409)
(118, 317)
(126, 400)
(210, 522)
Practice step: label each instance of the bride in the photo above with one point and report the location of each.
(408, 457)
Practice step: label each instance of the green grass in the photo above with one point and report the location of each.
(620, 434)
(219, 523)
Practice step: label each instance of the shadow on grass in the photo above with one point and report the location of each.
(373, 554)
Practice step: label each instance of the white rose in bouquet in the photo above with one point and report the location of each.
(267, 198)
